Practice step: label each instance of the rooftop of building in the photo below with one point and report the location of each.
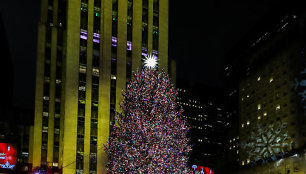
(270, 24)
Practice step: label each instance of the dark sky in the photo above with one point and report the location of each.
(200, 35)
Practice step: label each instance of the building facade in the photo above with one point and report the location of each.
(270, 114)
(86, 53)
(207, 124)
(231, 114)
(271, 99)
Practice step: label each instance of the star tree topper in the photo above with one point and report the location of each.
(150, 62)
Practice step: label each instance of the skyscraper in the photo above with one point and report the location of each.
(203, 110)
(86, 52)
(271, 115)
(269, 90)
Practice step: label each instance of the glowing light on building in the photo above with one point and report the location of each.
(8, 156)
(201, 169)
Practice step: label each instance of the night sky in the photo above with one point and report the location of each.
(199, 37)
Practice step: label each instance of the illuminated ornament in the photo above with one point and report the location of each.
(7, 165)
(194, 167)
(201, 170)
(150, 62)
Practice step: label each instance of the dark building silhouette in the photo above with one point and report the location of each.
(6, 74)
(15, 122)
(203, 109)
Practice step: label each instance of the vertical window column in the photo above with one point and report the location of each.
(114, 61)
(82, 89)
(95, 88)
(145, 18)
(46, 87)
(129, 40)
(155, 26)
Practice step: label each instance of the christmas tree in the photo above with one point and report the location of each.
(149, 136)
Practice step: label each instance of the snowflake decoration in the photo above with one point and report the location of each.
(150, 61)
(263, 143)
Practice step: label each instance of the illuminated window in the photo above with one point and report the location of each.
(265, 114)
(82, 69)
(45, 129)
(113, 77)
(237, 151)
(277, 107)
(242, 162)
(258, 106)
(95, 71)
(248, 122)
(258, 79)
(248, 96)
(271, 79)
(242, 99)
(58, 81)
(242, 125)
(259, 117)
(248, 161)
(46, 98)
(82, 88)
(55, 164)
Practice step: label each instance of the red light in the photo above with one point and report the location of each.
(8, 156)
(201, 170)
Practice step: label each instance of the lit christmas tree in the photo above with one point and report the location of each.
(149, 136)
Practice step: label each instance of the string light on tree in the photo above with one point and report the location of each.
(149, 136)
